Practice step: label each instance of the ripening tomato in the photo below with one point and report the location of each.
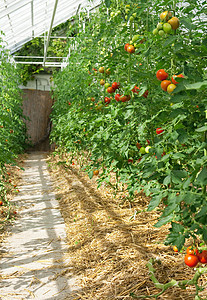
(202, 257)
(93, 99)
(161, 74)
(171, 88)
(191, 260)
(1, 203)
(165, 15)
(174, 22)
(95, 172)
(110, 90)
(175, 249)
(101, 69)
(115, 85)
(130, 49)
(102, 82)
(126, 46)
(107, 100)
(164, 84)
(174, 76)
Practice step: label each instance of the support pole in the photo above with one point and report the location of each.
(49, 33)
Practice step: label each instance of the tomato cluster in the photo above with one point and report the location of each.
(167, 85)
(167, 25)
(193, 257)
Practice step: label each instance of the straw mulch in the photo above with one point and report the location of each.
(110, 244)
(14, 174)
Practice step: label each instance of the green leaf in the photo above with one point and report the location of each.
(155, 201)
(167, 180)
(90, 174)
(202, 129)
(163, 221)
(196, 85)
(169, 209)
(202, 177)
(108, 3)
(187, 23)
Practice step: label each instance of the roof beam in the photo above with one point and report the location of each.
(49, 33)
(14, 7)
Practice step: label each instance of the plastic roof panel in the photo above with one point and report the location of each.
(21, 20)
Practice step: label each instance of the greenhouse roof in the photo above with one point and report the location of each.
(23, 20)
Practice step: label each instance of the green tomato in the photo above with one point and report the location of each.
(167, 27)
(107, 85)
(126, 17)
(155, 31)
(118, 12)
(112, 14)
(135, 38)
(127, 11)
(161, 32)
(142, 150)
(131, 19)
(136, 45)
(131, 42)
(159, 26)
(134, 15)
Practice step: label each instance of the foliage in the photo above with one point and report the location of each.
(174, 172)
(12, 126)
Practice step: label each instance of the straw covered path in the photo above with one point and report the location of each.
(73, 241)
(34, 264)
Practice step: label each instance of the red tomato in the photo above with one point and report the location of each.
(191, 260)
(126, 46)
(138, 145)
(145, 94)
(130, 160)
(164, 84)
(161, 75)
(123, 98)
(130, 49)
(136, 90)
(159, 130)
(174, 76)
(115, 85)
(117, 97)
(107, 100)
(203, 257)
(110, 90)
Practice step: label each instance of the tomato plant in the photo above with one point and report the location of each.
(13, 138)
(169, 171)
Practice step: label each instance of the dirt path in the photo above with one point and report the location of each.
(34, 265)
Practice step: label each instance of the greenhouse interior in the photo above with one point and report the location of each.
(103, 149)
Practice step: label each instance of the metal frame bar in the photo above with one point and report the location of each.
(49, 33)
